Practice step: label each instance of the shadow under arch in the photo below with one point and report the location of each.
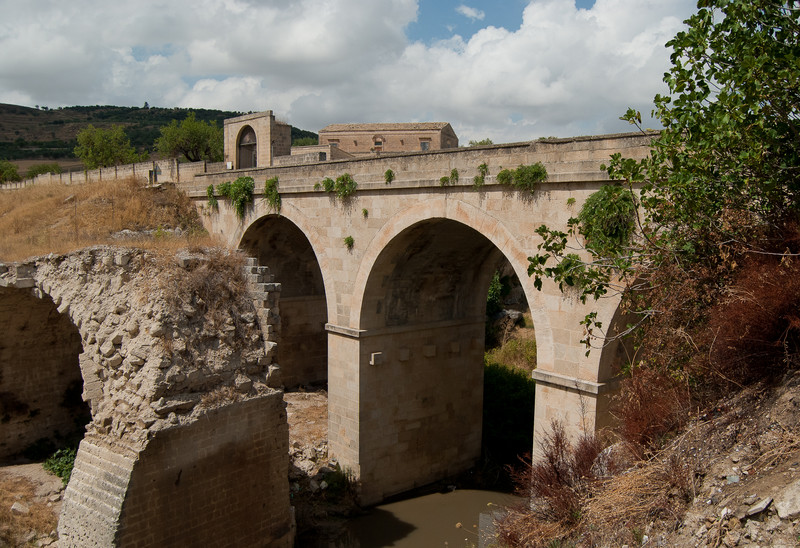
(489, 227)
(421, 328)
(41, 385)
(280, 244)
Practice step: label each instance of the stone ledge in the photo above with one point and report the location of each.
(563, 381)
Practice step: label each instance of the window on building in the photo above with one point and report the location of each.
(424, 145)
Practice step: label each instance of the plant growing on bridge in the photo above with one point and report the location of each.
(327, 184)
(349, 242)
(239, 192)
(449, 180)
(525, 178)
(271, 194)
(388, 176)
(607, 219)
(480, 179)
(364, 212)
(212, 200)
(345, 186)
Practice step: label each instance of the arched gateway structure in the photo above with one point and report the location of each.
(395, 322)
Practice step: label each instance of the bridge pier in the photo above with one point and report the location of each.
(406, 403)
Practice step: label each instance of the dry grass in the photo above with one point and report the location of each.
(15, 527)
(58, 218)
(212, 283)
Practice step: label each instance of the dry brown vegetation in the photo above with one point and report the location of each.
(701, 382)
(56, 218)
(14, 528)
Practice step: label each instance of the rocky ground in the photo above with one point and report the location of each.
(747, 455)
(30, 501)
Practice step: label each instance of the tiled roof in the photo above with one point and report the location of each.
(412, 126)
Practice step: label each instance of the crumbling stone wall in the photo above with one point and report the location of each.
(174, 388)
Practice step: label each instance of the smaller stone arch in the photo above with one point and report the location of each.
(247, 148)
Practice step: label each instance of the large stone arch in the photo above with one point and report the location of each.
(277, 242)
(175, 400)
(492, 228)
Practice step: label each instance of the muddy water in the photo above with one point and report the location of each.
(427, 521)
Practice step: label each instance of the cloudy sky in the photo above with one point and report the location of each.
(509, 70)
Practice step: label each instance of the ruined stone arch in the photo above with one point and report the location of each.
(151, 425)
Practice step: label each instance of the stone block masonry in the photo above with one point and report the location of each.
(180, 393)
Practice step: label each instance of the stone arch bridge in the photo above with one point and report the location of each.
(395, 321)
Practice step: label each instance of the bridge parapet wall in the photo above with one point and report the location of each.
(567, 161)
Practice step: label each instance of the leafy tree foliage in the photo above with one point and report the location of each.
(474, 143)
(39, 169)
(721, 181)
(305, 141)
(98, 147)
(193, 139)
(8, 172)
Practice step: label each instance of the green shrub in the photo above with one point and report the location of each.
(349, 242)
(271, 194)
(508, 402)
(345, 186)
(449, 180)
(8, 172)
(608, 219)
(61, 462)
(525, 178)
(212, 200)
(494, 296)
(505, 177)
(41, 169)
(365, 212)
(479, 180)
(388, 176)
(239, 192)
(327, 183)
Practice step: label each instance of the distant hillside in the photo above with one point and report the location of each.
(49, 134)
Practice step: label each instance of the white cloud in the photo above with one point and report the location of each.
(471, 13)
(562, 72)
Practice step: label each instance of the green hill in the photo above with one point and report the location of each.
(50, 134)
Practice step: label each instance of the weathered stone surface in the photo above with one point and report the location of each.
(144, 370)
(787, 502)
(20, 509)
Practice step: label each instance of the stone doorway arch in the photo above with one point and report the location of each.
(246, 149)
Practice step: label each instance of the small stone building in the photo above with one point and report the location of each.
(254, 140)
(360, 139)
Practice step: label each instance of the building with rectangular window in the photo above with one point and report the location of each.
(364, 139)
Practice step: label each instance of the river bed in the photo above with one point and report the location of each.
(426, 521)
